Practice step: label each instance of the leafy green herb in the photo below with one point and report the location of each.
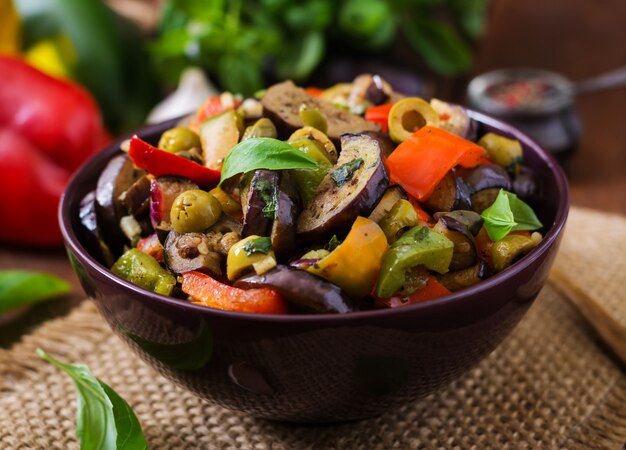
(269, 195)
(103, 418)
(20, 288)
(264, 153)
(258, 245)
(333, 243)
(508, 213)
(342, 174)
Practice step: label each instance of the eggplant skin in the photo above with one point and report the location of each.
(334, 208)
(450, 194)
(287, 211)
(301, 288)
(117, 177)
(256, 219)
(91, 232)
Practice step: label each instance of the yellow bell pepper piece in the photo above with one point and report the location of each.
(245, 255)
(355, 263)
(10, 30)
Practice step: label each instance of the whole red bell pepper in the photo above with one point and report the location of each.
(48, 127)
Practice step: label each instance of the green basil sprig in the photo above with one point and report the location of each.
(104, 421)
(263, 153)
(508, 213)
(258, 245)
(21, 288)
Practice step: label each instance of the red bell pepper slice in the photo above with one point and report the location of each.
(419, 163)
(433, 289)
(211, 107)
(422, 216)
(380, 115)
(313, 91)
(209, 292)
(159, 162)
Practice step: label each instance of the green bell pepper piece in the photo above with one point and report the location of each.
(143, 270)
(418, 246)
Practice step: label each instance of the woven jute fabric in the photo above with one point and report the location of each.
(552, 384)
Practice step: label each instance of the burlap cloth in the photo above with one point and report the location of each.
(552, 384)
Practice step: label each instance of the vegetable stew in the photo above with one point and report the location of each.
(297, 203)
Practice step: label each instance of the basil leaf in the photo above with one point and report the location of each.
(342, 174)
(258, 245)
(263, 153)
(19, 288)
(269, 195)
(508, 213)
(103, 418)
(524, 215)
(499, 219)
(333, 243)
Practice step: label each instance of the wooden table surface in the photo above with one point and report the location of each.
(578, 38)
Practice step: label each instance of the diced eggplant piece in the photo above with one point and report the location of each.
(386, 144)
(386, 202)
(136, 199)
(485, 182)
(454, 119)
(487, 176)
(91, 232)
(258, 202)
(282, 102)
(527, 185)
(470, 219)
(163, 192)
(376, 93)
(226, 224)
(190, 251)
(287, 211)
(450, 194)
(351, 189)
(461, 279)
(303, 289)
(464, 253)
(117, 177)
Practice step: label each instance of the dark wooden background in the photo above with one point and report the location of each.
(579, 38)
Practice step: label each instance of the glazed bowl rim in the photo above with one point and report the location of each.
(74, 245)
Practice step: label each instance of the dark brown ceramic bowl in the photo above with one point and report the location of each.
(319, 368)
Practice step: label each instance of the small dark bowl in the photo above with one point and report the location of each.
(319, 368)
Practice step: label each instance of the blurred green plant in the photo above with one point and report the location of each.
(239, 42)
(106, 54)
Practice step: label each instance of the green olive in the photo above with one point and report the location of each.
(313, 117)
(409, 115)
(503, 151)
(179, 139)
(316, 135)
(263, 127)
(194, 211)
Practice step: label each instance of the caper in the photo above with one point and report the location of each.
(194, 211)
(179, 139)
(261, 128)
(409, 115)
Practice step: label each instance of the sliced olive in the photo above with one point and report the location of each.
(503, 151)
(194, 210)
(253, 252)
(179, 139)
(512, 247)
(316, 135)
(263, 127)
(401, 216)
(409, 115)
(313, 117)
